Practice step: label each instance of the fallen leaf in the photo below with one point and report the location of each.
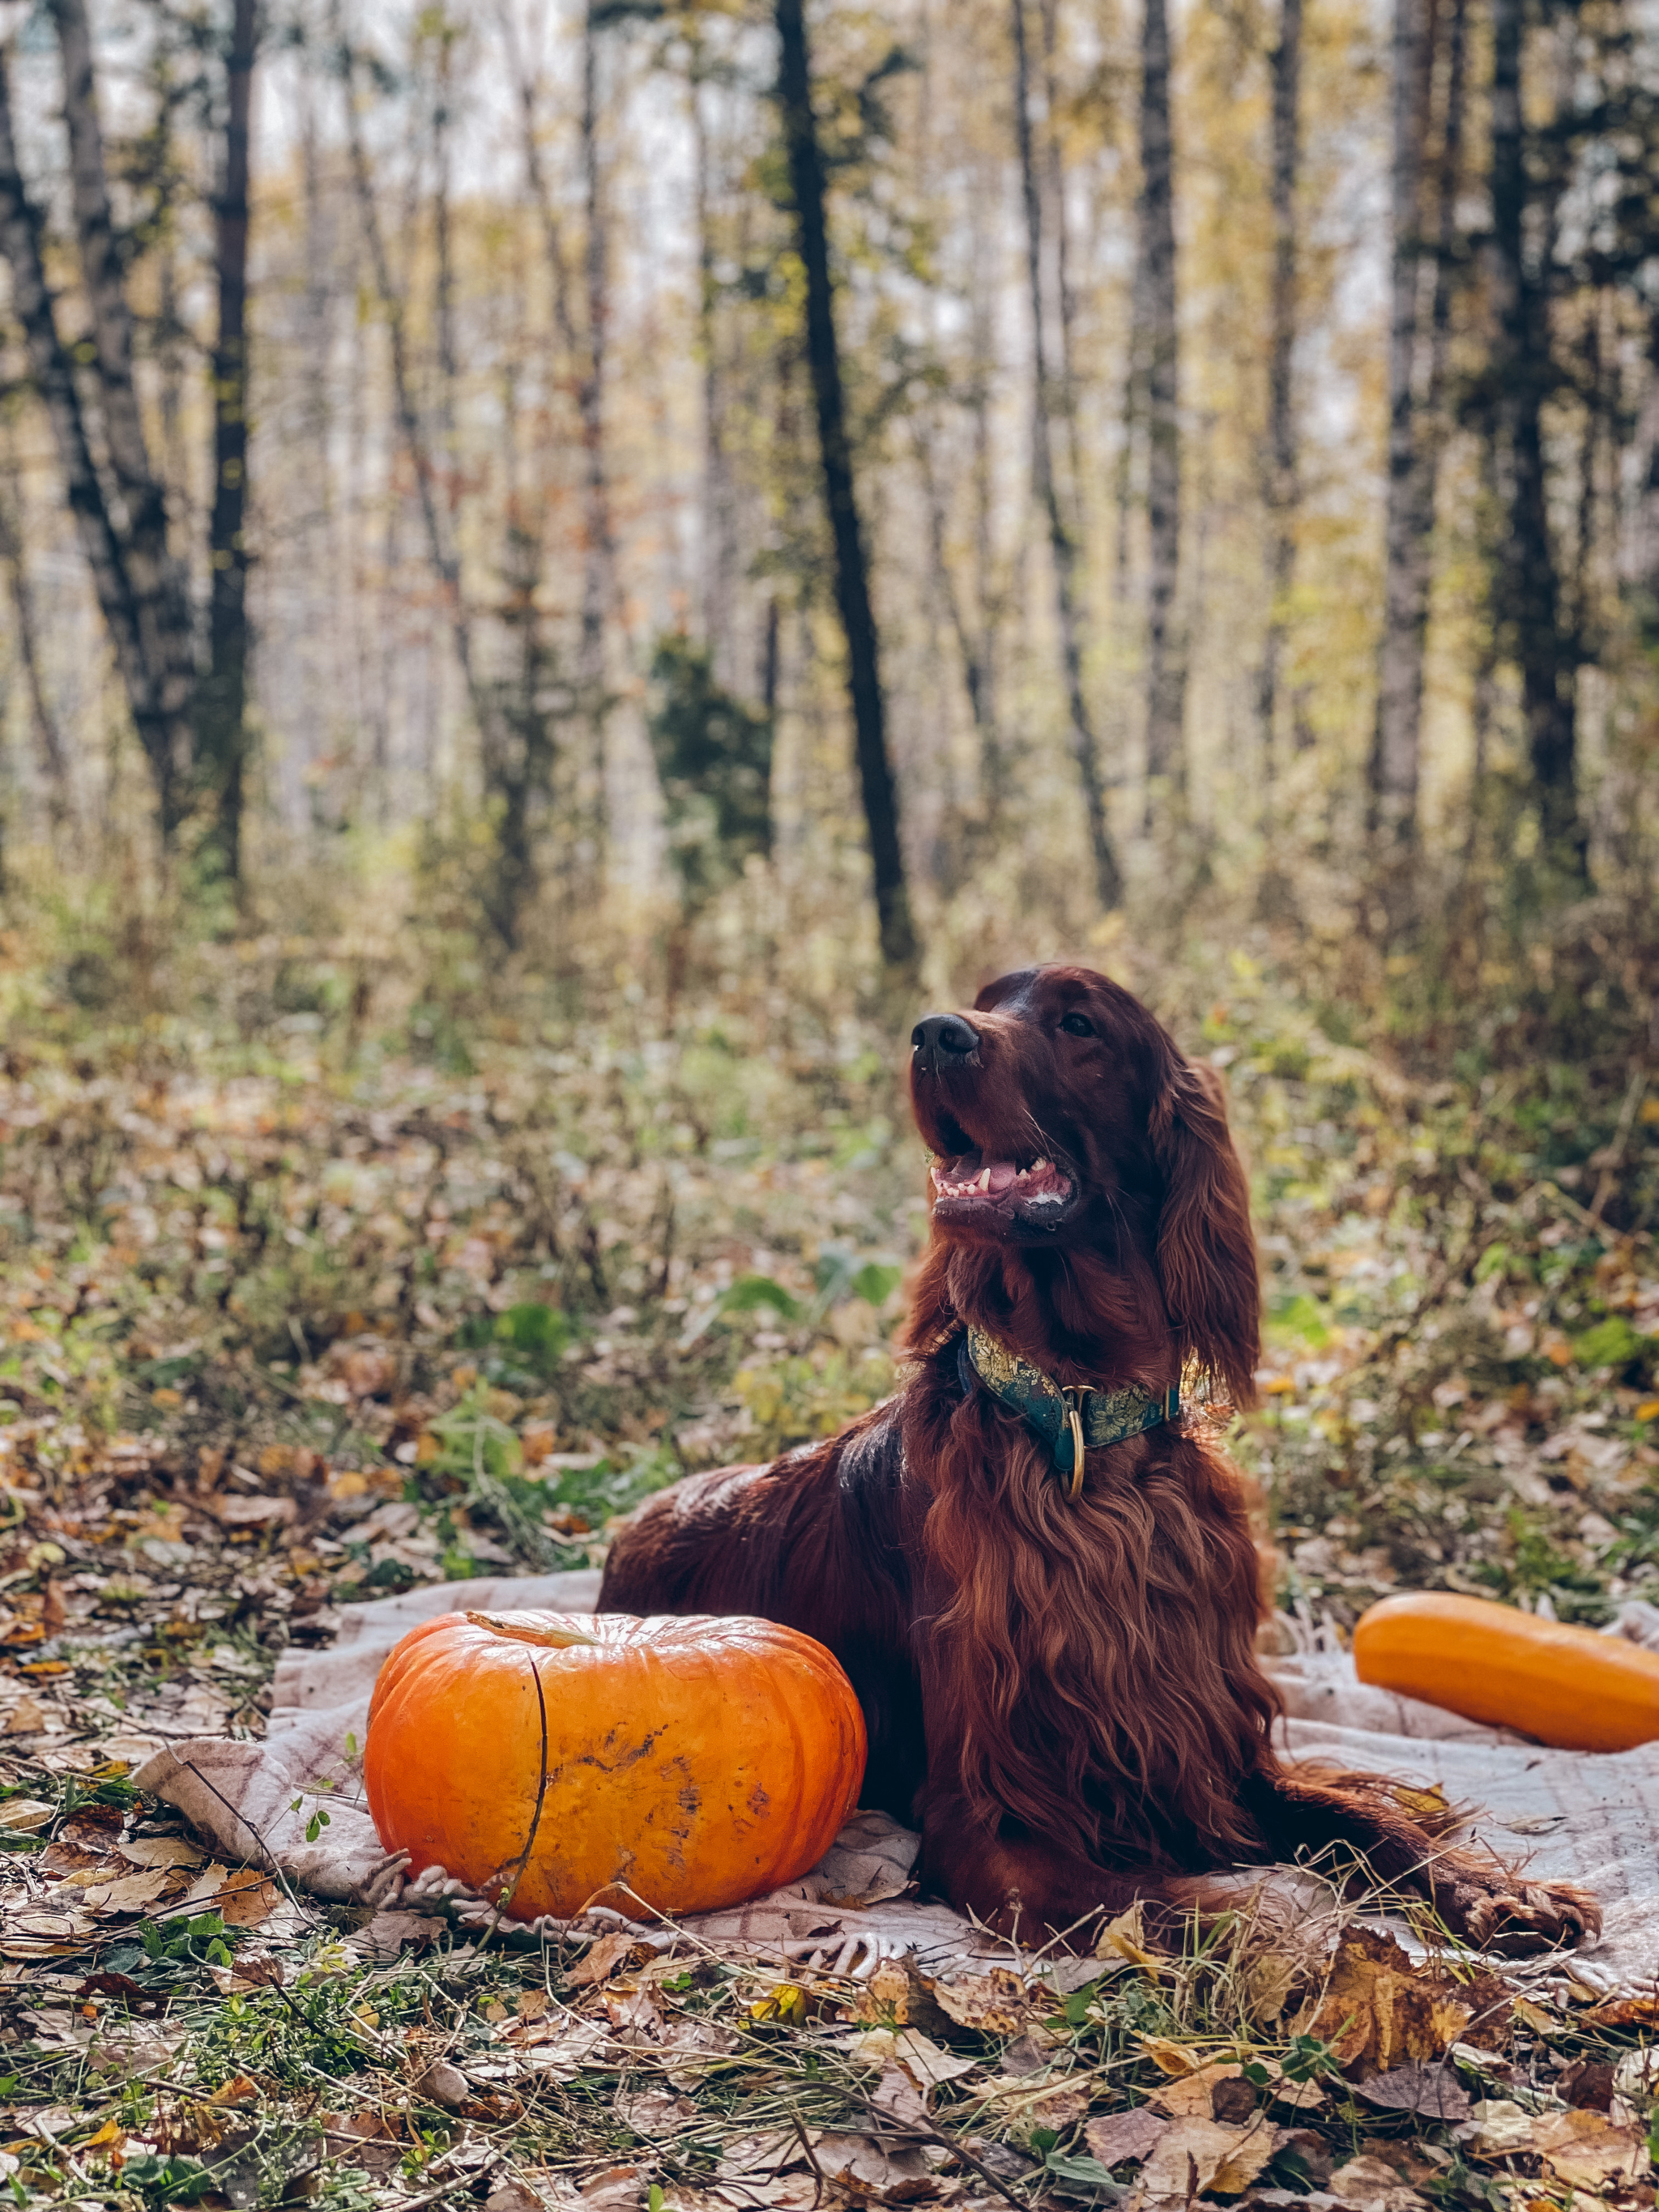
(129, 1893)
(234, 1512)
(161, 1851)
(1195, 2157)
(26, 1718)
(1368, 2185)
(896, 2098)
(1433, 2092)
(239, 2090)
(1192, 2096)
(765, 2153)
(993, 2004)
(1122, 2138)
(1500, 2128)
(442, 2084)
(246, 1899)
(1126, 1938)
(24, 1815)
(602, 1960)
(1170, 2058)
(1586, 2149)
(1378, 2009)
(865, 2168)
(653, 2112)
(1267, 1987)
(927, 2062)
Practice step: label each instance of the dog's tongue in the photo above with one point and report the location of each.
(1002, 1173)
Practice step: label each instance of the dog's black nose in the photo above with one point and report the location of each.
(942, 1041)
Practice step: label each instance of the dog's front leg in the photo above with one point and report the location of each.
(1308, 1815)
(1031, 1891)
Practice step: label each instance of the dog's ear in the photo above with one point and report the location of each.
(1205, 1247)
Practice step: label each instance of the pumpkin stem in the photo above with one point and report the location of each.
(557, 1639)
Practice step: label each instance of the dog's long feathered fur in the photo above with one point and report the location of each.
(1064, 1695)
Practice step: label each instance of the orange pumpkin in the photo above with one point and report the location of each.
(563, 1760)
(1566, 1686)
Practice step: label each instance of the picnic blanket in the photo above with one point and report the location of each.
(1567, 1815)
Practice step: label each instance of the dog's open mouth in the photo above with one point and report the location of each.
(971, 1185)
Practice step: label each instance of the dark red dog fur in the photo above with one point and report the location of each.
(1064, 1697)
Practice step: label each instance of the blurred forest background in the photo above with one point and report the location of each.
(564, 573)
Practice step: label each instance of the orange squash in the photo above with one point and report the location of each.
(1566, 1686)
(562, 1760)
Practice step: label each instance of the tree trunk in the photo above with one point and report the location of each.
(1282, 459)
(599, 560)
(506, 899)
(155, 581)
(1166, 660)
(1409, 521)
(52, 754)
(1085, 748)
(899, 948)
(134, 593)
(1527, 581)
(719, 539)
(221, 707)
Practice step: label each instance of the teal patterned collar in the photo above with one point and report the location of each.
(1067, 1417)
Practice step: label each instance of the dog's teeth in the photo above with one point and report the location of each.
(1021, 1175)
(1037, 1166)
(984, 1182)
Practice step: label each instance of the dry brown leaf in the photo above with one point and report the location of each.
(1167, 2057)
(246, 1900)
(1267, 1986)
(993, 2004)
(162, 1852)
(233, 1512)
(926, 2062)
(1190, 2097)
(653, 2112)
(602, 1960)
(1122, 2138)
(1368, 2185)
(1202, 2157)
(1126, 1938)
(129, 1894)
(1378, 2009)
(766, 2152)
(1432, 2093)
(1587, 2149)
(897, 2099)
(867, 2169)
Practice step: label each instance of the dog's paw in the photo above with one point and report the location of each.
(1512, 1917)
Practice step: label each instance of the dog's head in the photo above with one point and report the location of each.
(1061, 1115)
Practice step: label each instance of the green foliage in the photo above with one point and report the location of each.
(714, 757)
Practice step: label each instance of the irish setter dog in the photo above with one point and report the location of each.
(1061, 1693)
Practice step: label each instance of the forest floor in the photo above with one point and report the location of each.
(292, 1316)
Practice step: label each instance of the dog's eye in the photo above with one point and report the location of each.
(1077, 1025)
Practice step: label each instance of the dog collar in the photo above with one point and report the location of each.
(1068, 1418)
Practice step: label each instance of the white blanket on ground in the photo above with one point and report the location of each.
(1584, 1817)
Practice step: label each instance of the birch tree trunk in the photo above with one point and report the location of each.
(720, 539)
(49, 748)
(133, 591)
(1409, 518)
(1166, 660)
(155, 579)
(1282, 459)
(221, 707)
(1085, 746)
(899, 948)
(599, 548)
(1527, 581)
